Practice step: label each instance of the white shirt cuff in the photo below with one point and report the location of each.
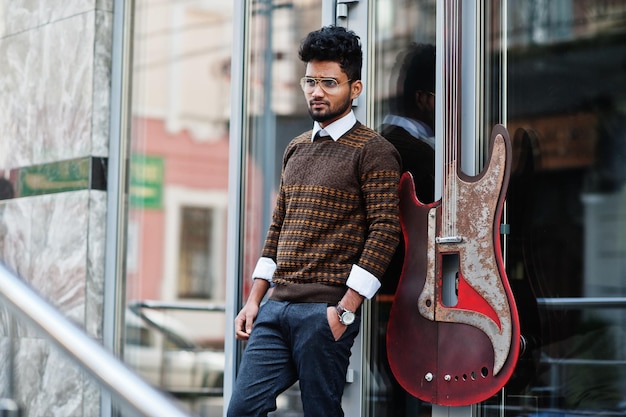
(264, 269)
(363, 282)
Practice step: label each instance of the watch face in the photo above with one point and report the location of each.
(347, 317)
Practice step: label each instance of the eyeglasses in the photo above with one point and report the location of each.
(329, 85)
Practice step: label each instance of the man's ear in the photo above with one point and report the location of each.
(356, 89)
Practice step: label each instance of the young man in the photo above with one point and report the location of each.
(334, 229)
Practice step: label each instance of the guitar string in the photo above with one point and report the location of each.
(455, 79)
(454, 117)
(452, 58)
(445, 202)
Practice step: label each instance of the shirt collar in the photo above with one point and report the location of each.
(337, 128)
(416, 128)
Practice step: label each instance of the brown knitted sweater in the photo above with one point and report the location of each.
(337, 206)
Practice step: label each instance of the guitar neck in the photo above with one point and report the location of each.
(452, 116)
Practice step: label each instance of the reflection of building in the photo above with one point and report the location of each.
(185, 51)
(187, 227)
(61, 102)
(573, 147)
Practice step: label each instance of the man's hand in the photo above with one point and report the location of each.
(351, 300)
(335, 325)
(245, 320)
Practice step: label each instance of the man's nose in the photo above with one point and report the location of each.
(318, 90)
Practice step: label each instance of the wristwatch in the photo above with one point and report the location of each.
(346, 317)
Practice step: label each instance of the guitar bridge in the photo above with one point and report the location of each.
(449, 239)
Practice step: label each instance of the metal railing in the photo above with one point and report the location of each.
(138, 307)
(565, 303)
(126, 387)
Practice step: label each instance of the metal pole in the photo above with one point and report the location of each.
(237, 161)
(126, 386)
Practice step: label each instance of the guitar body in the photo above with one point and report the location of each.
(460, 351)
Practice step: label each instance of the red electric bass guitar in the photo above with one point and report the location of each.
(453, 335)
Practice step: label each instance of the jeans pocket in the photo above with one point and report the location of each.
(324, 324)
(339, 328)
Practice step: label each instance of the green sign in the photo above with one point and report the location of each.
(54, 177)
(146, 181)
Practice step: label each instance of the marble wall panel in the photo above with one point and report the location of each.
(47, 382)
(96, 240)
(65, 246)
(44, 241)
(15, 233)
(60, 225)
(46, 92)
(101, 100)
(5, 366)
(54, 92)
(91, 398)
(106, 5)
(22, 15)
(5, 316)
(14, 238)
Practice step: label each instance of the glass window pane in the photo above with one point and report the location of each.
(403, 103)
(565, 257)
(178, 192)
(276, 112)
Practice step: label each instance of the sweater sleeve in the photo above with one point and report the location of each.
(271, 241)
(380, 176)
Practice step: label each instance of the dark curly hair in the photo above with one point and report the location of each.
(417, 72)
(337, 44)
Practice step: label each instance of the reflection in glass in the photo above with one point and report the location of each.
(195, 275)
(565, 205)
(178, 196)
(403, 105)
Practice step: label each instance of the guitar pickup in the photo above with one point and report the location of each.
(449, 239)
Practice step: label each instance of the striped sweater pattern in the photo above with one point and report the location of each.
(337, 206)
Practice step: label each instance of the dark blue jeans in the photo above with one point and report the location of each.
(291, 342)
